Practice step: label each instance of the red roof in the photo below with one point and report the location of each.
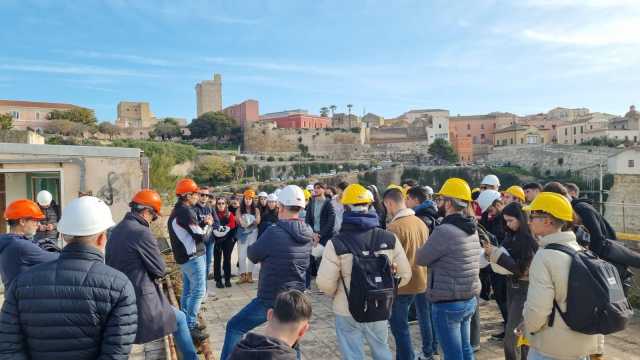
(35, 104)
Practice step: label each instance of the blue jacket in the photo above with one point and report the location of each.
(18, 254)
(75, 307)
(283, 251)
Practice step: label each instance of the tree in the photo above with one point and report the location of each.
(212, 170)
(65, 128)
(109, 129)
(166, 129)
(214, 124)
(6, 122)
(442, 150)
(333, 109)
(324, 111)
(77, 114)
(349, 106)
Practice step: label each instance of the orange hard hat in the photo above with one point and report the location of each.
(23, 209)
(249, 194)
(185, 186)
(150, 198)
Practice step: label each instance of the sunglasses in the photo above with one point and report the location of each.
(221, 203)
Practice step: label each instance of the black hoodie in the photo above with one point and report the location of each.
(260, 347)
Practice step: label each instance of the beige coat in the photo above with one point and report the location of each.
(548, 280)
(412, 233)
(328, 278)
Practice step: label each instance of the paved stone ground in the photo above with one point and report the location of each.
(320, 341)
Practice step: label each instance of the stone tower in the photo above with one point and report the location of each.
(209, 95)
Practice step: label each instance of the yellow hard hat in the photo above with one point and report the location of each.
(475, 190)
(356, 194)
(307, 194)
(456, 188)
(516, 191)
(552, 203)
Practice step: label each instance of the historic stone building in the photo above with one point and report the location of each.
(209, 95)
(136, 115)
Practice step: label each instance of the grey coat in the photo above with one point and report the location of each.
(452, 255)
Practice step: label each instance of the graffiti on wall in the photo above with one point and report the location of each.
(109, 192)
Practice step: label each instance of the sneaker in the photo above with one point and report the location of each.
(219, 284)
(424, 357)
(198, 336)
(498, 336)
(476, 348)
(210, 276)
(227, 283)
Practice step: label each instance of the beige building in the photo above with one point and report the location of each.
(112, 174)
(136, 115)
(31, 114)
(626, 162)
(521, 135)
(564, 114)
(209, 95)
(582, 129)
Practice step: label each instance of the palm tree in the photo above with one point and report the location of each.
(333, 109)
(349, 106)
(324, 111)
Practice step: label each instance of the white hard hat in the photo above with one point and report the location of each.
(317, 251)
(221, 231)
(248, 218)
(486, 198)
(262, 194)
(291, 195)
(310, 187)
(429, 190)
(44, 198)
(85, 216)
(490, 180)
(272, 197)
(277, 192)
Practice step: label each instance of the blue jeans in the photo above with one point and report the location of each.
(400, 326)
(535, 355)
(182, 337)
(194, 280)
(250, 317)
(208, 246)
(453, 327)
(351, 335)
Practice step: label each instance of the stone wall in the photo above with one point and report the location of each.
(21, 137)
(622, 208)
(549, 159)
(265, 137)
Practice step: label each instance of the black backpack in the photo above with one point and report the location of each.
(596, 303)
(373, 286)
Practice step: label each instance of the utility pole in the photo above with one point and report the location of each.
(601, 186)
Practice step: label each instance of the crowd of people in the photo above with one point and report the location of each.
(385, 258)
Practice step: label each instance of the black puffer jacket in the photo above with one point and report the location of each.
(283, 251)
(75, 307)
(260, 347)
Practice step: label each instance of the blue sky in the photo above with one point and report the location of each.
(471, 57)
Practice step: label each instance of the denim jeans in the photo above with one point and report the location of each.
(535, 355)
(351, 335)
(400, 326)
(208, 246)
(452, 320)
(194, 283)
(251, 316)
(182, 337)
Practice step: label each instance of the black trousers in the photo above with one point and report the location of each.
(222, 253)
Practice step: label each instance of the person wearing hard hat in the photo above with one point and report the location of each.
(492, 221)
(75, 307)
(320, 216)
(513, 194)
(452, 256)
(17, 252)
(513, 259)
(283, 252)
(490, 182)
(360, 229)
(548, 283)
(133, 249)
(187, 243)
(412, 234)
(224, 242)
(48, 226)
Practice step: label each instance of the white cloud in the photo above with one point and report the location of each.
(73, 69)
(622, 31)
(559, 4)
(136, 59)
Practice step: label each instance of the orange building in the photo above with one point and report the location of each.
(463, 147)
(245, 113)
